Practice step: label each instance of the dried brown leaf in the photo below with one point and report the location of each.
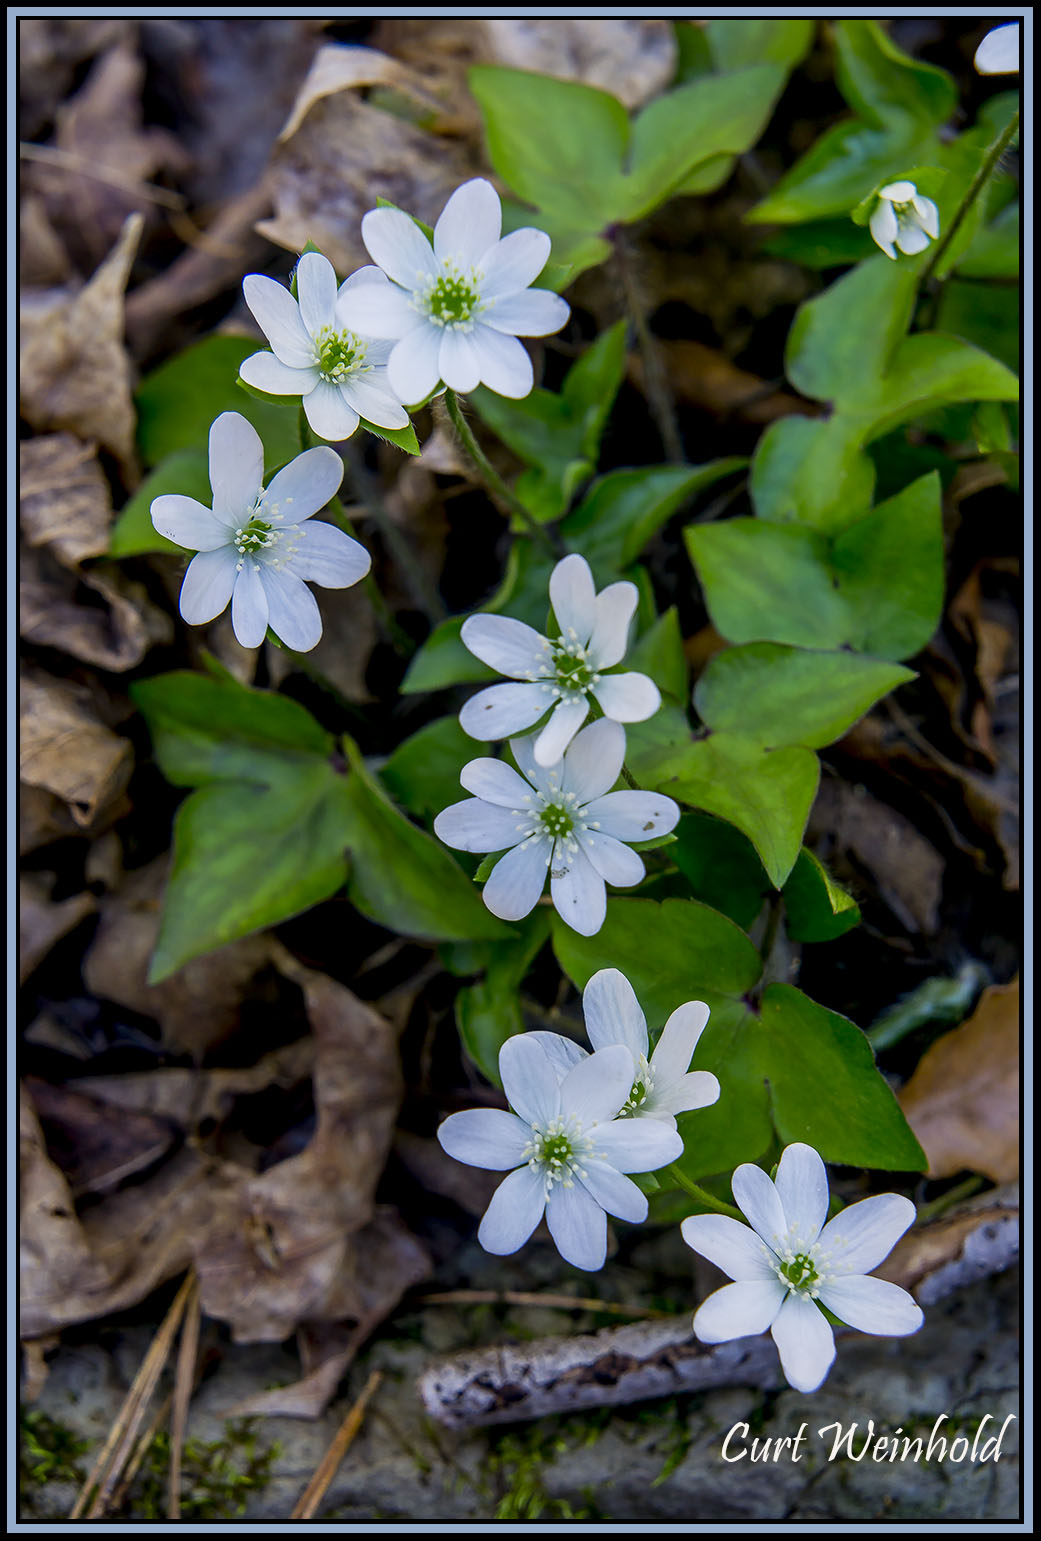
(633, 59)
(114, 635)
(42, 817)
(343, 652)
(343, 67)
(67, 750)
(43, 921)
(49, 51)
(706, 378)
(63, 497)
(94, 1146)
(963, 1100)
(857, 831)
(42, 258)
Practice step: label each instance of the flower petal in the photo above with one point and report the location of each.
(508, 646)
(613, 1192)
(293, 613)
(638, 1144)
(733, 1247)
(329, 413)
(529, 1079)
(517, 1206)
(373, 400)
(859, 1237)
(380, 310)
(613, 1014)
(573, 598)
(303, 486)
(564, 722)
(249, 605)
(458, 360)
(503, 361)
(396, 244)
(739, 1310)
(268, 373)
(515, 883)
(485, 1137)
(698, 1089)
(911, 239)
(316, 291)
(883, 227)
(805, 1343)
(514, 262)
(872, 1305)
(615, 607)
(470, 223)
(474, 825)
(928, 215)
(278, 316)
(329, 556)
(633, 815)
(802, 1186)
(413, 369)
(578, 892)
(595, 1088)
(594, 761)
(998, 54)
(532, 313)
(760, 1203)
(208, 584)
(679, 1038)
(628, 697)
(496, 782)
(236, 465)
(578, 1226)
(562, 1053)
(189, 523)
(615, 862)
(546, 780)
(501, 710)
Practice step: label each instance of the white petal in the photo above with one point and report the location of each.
(802, 1186)
(910, 239)
(627, 697)
(562, 1053)
(573, 598)
(578, 892)
(329, 556)
(516, 1208)
(316, 291)
(413, 369)
(595, 1088)
(533, 313)
(998, 54)
(236, 465)
(208, 584)
(578, 1226)
(928, 215)
(760, 1203)
(615, 607)
(566, 719)
(458, 360)
(189, 523)
(594, 761)
(633, 815)
(872, 1305)
(278, 316)
(293, 613)
(269, 374)
(496, 783)
(485, 1137)
(516, 882)
(898, 192)
(613, 1014)
(501, 710)
(529, 1079)
(474, 825)
(614, 861)
(303, 486)
(470, 223)
(329, 413)
(514, 262)
(698, 1089)
(507, 645)
(397, 245)
(503, 361)
(739, 1310)
(376, 310)
(614, 1192)
(638, 1144)
(373, 400)
(805, 1343)
(365, 275)
(679, 1038)
(249, 605)
(733, 1247)
(547, 781)
(858, 1238)
(883, 227)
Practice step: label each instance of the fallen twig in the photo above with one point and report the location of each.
(328, 1466)
(533, 1298)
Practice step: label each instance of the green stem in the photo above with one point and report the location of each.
(497, 490)
(975, 187)
(964, 1190)
(656, 383)
(702, 1197)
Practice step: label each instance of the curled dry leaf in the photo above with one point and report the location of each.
(50, 49)
(342, 67)
(65, 748)
(95, 1150)
(42, 258)
(857, 831)
(633, 59)
(42, 817)
(75, 373)
(707, 379)
(963, 1100)
(63, 497)
(42, 921)
(114, 635)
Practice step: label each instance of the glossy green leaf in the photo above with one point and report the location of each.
(889, 568)
(736, 43)
(624, 509)
(489, 1011)
(812, 471)
(721, 866)
(817, 909)
(423, 772)
(185, 471)
(738, 1127)
(881, 82)
(846, 336)
(659, 654)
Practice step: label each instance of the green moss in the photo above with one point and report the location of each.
(48, 1451)
(217, 1476)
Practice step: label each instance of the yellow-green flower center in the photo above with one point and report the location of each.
(254, 536)
(557, 820)
(453, 299)
(339, 354)
(799, 1272)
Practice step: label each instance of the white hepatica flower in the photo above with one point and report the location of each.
(256, 548)
(790, 1264)
(456, 309)
(904, 218)
(340, 371)
(664, 1084)
(998, 54)
(560, 675)
(566, 1151)
(564, 819)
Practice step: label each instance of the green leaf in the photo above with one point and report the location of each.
(489, 1011)
(817, 909)
(994, 252)
(881, 82)
(721, 866)
(765, 793)
(651, 744)
(889, 568)
(776, 695)
(659, 654)
(179, 400)
(737, 43)
(625, 508)
(813, 472)
(402, 438)
(423, 772)
(927, 371)
(738, 1127)
(844, 164)
(185, 471)
(847, 335)
(822, 243)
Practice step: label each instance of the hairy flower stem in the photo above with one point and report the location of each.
(706, 1199)
(496, 488)
(659, 396)
(973, 191)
